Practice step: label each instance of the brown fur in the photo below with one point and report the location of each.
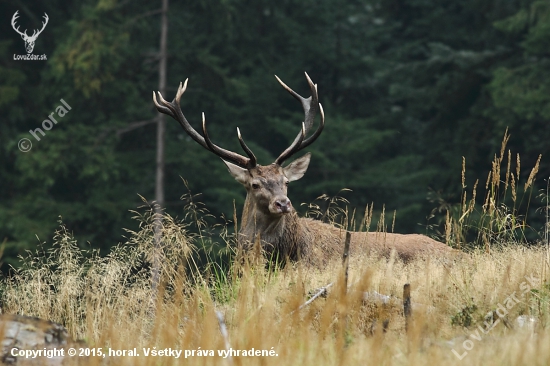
(268, 215)
(316, 243)
(289, 236)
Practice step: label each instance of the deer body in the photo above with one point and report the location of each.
(316, 243)
(283, 234)
(268, 215)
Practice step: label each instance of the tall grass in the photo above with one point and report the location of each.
(109, 301)
(500, 214)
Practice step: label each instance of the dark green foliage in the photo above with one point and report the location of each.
(464, 318)
(408, 86)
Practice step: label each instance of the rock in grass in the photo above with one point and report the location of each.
(23, 333)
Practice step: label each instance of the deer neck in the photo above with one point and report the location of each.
(272, 230)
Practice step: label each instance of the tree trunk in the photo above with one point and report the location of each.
(161, 128)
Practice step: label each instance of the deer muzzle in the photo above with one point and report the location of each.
(280, 205)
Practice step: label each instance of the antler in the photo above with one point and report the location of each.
(24, 34)
(43, 26)
(13, 20)
(173, 110)
(310, 110)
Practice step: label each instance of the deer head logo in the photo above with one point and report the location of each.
(29, 40)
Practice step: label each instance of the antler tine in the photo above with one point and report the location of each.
(317, 132)
(173, 109)
(14, 20)
(226, 154)
(246, 149)
(292, 92)
(44, 23)
(310, 109)
(181, 90)
(162, 108)
(292, 148)
(307, 103)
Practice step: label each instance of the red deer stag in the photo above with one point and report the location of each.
(268, 214)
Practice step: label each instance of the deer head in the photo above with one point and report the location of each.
(266, 186)
(29, 40)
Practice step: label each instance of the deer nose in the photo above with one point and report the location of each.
(283, 204)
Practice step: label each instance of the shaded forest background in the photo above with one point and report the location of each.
(409, 87)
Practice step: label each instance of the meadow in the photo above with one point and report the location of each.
(489, 308)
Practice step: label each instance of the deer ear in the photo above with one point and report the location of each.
(240, 174)
(297, 168)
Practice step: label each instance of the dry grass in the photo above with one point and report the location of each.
(110, 304)
(501, 216)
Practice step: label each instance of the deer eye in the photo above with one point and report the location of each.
(255, 186)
